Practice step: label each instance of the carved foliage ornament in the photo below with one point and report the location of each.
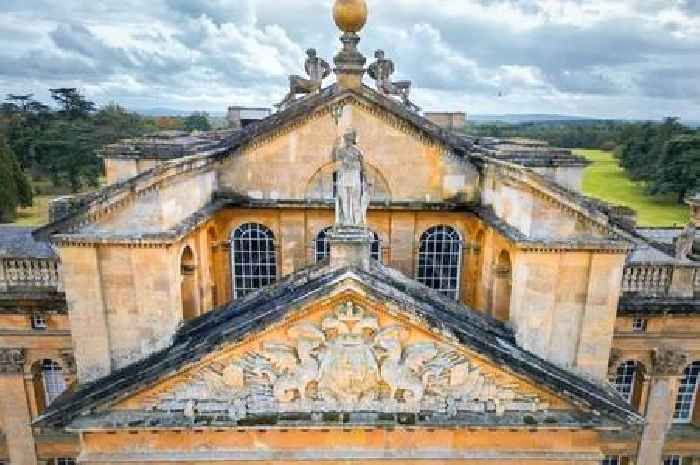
(668, 361)
(12, 360)
(347, 363)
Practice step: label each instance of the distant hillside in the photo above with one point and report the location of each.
(525, 118)
(173, 112)
(565, 119)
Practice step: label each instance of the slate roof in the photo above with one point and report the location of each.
(530, 153)
(257, 311)
(17, 242)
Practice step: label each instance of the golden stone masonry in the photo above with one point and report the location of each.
(347, 280)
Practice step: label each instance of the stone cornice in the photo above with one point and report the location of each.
(570, 202)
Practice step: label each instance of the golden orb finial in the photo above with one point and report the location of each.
(350, 15)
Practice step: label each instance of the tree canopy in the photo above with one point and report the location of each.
(15, 189)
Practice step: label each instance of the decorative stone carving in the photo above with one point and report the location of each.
(668, 361)
(614, 360)
(684, 243)
(381, 71)
(317, 69)
(348, 363)
(12, 360)
(353, 196)
(68, 360)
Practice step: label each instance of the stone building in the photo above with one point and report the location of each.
(215, 305)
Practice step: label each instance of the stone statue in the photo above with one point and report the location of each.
(684, 243)
(353, 196)
(317, 68)
(381, 71)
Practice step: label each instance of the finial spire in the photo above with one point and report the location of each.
(350, 16)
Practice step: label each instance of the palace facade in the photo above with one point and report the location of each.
(205, 307)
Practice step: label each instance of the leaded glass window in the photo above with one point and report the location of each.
(54, 382)
(440, 260)
(254, 258)
(687, 394)
(611, 460)
(624, 378)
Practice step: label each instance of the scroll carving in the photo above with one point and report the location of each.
(348, 363)
(668, 361)
(12, 360)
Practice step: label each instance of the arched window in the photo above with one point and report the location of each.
(625, 378)
(323, 245)
(440, 260)
(687, 394)
(54, 382)
(254, 258)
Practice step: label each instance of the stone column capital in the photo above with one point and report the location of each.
(615, 357)
(12, 361)
(68, 360)
(668, 361)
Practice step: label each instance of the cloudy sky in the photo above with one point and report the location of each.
(604, 58)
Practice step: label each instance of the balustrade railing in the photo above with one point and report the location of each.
(29, 273)
(651, 280)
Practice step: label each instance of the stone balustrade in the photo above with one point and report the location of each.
(29, 273)
(652, 280)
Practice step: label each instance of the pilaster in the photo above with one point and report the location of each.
(667, 367)
(14, 408)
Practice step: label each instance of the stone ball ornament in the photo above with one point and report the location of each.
(350, 15)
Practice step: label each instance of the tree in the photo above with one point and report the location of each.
(678, 168)
(169, 123)
(197, 122)
(72, 104)
(15, 189)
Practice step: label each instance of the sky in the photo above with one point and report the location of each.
(636, 59)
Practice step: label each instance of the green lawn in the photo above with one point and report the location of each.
(606, 180)
(37, 214)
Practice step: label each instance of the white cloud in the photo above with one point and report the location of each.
(595, 57)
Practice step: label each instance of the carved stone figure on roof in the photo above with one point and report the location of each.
(317, 69)
(352, 199)
(381, 71)
(684, 243)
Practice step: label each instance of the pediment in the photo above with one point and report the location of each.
(330, 341)
(289, 155)
(346, 354)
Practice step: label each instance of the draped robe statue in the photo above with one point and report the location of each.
(353, 196)
(684, 242)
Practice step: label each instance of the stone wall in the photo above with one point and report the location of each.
(415, 169)
(564, 306)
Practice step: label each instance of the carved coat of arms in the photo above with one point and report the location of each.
(347, 363)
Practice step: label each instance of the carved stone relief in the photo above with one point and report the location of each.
(668, 361)
(12, 360)
(348, 363)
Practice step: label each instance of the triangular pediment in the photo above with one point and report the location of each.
(349, 341)
(347, 353)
